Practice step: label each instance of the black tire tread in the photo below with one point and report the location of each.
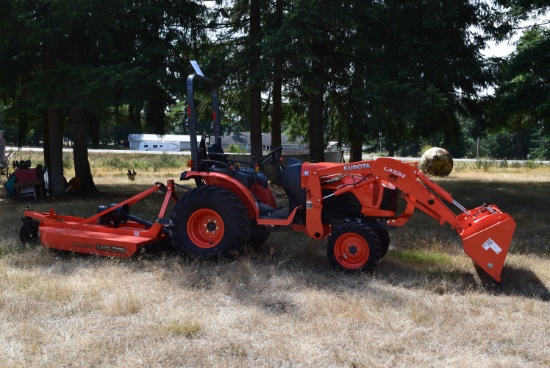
(28, 234)
(227, 205)
(366, 233)
(258, 234)
(384, 237)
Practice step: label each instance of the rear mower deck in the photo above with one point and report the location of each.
(111, 232)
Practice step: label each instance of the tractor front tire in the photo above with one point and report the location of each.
(354, 247)
(209, 222)
(384, 237)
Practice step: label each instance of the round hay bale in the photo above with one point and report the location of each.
(436, 161)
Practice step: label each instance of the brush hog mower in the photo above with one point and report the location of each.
(112, 231)
(352, 205)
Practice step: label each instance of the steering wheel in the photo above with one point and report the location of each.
(272, 157)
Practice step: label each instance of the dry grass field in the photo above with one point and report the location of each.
(282, 305)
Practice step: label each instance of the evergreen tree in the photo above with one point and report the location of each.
(522, 99)
(78, 59)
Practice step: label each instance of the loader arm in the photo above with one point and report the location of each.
(485, 231)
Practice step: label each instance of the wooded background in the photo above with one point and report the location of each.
(410, 74)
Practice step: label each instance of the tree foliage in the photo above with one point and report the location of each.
(348, 70)
(523, 97)
(78, 60)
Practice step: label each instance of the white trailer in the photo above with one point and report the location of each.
(155, 142)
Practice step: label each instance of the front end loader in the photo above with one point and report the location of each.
(231, 205)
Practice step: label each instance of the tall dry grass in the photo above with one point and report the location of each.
(282, 305)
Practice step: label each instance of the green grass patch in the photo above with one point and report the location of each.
(487, 165)
(137, 161)
(112, 161)
(419, 258)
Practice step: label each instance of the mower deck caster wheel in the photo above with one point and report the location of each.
(28, 234)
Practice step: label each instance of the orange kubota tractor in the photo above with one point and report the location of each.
(353, 205)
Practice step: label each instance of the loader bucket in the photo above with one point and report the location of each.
(486, 234)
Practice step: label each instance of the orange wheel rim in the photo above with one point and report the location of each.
(351, 251)
(205, 228)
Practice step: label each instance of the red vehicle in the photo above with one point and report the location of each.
(353, 205)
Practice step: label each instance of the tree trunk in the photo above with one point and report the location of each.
(316, 139)
(55, 172)
(80, 151)
(156, 104)
(356, 152)
(255, 101)
(134, 117)
(255, 91)
(358, 114)
(317, 103)
(23, 124)
(277, 115)
(46, 132)
(391, 149)
(356, 136)
(94, 124)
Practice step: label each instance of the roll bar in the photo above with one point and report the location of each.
(192, 116)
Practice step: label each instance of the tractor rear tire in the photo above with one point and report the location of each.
(209, 222)
(258, 234)
(354, 247)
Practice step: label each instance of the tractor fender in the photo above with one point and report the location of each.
(233, 185)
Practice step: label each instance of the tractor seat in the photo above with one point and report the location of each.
(215, 152)
(247, 176)
(291, 181)
(258, 177)
(293, 160)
